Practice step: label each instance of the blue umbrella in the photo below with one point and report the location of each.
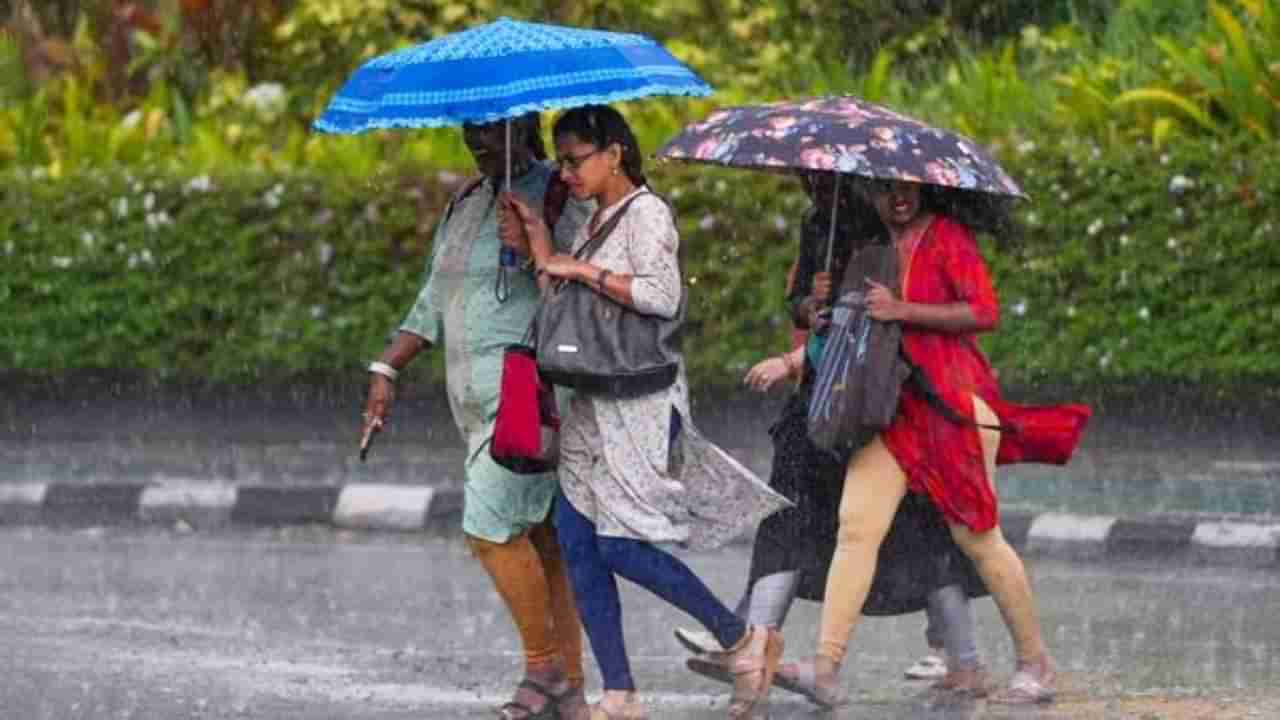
(502, 70)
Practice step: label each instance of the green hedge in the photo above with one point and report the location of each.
(1143, 264)
(1139, 265)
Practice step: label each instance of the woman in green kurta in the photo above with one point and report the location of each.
(474, 309)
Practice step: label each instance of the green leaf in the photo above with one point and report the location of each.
(1166, 98)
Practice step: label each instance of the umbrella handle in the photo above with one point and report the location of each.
(507, 181)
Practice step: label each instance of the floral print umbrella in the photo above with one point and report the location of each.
(843, 135)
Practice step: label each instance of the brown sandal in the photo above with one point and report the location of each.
(711, 666)
(550, 710)
(802, 678)
(967, 681)
(756, 653)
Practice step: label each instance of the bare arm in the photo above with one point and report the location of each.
(615, 286)
(764, 374)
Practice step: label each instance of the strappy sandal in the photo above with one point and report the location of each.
(802, 678)
(711, 666)
(516, 710)
(750, 690)
(1030, 685)
(718, 670)
(967, 681)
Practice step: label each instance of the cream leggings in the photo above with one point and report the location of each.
(874, 485)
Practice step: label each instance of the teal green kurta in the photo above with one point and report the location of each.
(458, 309)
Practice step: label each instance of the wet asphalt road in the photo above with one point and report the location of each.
(311, 623)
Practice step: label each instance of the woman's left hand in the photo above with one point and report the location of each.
(567, 267)
(882, 304)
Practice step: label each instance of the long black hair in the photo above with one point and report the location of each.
(603, 126)
(856, 215)
(982, 212)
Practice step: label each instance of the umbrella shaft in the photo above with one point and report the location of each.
(831, 233)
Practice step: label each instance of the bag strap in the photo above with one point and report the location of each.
(931, 396)
(471, 186)
(602, 233)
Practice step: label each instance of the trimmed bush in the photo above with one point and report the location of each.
(1134, 266)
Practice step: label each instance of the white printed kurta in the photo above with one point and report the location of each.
(458, 308)
(617, 465)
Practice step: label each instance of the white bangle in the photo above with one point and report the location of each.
(384, 370)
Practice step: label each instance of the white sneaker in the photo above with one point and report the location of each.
(698, 642)
(929, 667)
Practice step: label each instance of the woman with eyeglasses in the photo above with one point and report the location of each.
(634, 471)
(506, 517)
(944, 444)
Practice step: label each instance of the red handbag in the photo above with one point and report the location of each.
(526, 431)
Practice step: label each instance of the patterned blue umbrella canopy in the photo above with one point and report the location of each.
(502, 70)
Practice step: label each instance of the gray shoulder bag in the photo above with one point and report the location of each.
(595, 345)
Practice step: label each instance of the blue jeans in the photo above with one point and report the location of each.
(594, 562)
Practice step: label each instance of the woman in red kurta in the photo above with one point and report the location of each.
(947, 299)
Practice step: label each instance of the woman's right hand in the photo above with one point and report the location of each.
(766, 373)
(528, 226)
(821, 287)
(818, 300)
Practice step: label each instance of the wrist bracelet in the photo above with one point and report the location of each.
(383, 369)
(600, 278)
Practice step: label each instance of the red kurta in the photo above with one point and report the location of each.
(941, 458)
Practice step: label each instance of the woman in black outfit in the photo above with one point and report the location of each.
(920, 566)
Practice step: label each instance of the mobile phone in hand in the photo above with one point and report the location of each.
(366, 442)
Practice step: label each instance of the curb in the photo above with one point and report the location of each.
(203, 505)
(408, 508)
(1104, 537)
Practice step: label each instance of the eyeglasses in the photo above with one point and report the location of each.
(572, 163)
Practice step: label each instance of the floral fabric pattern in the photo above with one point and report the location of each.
(618, 464)
(840, 134)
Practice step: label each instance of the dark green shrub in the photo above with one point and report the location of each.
(1139, 265)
